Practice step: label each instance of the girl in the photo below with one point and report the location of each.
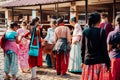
(75, 53)
(113, 41)
(23, 48)
(49, 39)
(35, 61)
(61, 35)
(11, 51)
(95, 59)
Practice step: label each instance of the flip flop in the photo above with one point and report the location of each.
(7, 78)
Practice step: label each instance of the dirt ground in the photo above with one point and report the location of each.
(43, 73)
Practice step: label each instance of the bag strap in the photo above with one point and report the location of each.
(105, 26)
(101, 33)
(33, 35)
(67, 34)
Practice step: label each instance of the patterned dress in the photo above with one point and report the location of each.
(75, 53)
(23, 50)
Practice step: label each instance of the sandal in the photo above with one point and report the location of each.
(15, 78)
(35, 78)
(28, 71)
(7, 77)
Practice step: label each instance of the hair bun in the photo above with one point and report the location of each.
(74, 19)
(59, 20)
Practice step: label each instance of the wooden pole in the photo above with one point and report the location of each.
(40, 13)
(56, 10)
(86, 11)
(12, 14)
(114, 11)
(28, 19)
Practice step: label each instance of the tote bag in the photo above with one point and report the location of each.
(34, 49)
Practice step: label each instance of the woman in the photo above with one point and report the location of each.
(61, 37)
(23, 48)
(95, 59)
(113, 41)
(75, 53)
(35, 61)
(49, 39)
(11, 51)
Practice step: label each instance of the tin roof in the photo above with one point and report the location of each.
(18, 3)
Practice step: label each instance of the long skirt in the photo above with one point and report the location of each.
(115, 68)
(11, 63)
(75, 59)
(62, 63)
(95, 72)
(23, 57)
(35, 61)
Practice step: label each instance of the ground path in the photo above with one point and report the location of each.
(43, 73)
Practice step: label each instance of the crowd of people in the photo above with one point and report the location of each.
(94, 51)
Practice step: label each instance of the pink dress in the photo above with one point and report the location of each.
(23, 50)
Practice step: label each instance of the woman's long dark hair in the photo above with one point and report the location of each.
(13, 24)
(34, 20)
(93, 19)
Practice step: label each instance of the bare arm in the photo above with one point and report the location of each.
(68, 35)
(109, 47)
(18, 40)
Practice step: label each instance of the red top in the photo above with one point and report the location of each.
(107, 26)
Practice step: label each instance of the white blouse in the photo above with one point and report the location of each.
(77, 33)
(50, 35)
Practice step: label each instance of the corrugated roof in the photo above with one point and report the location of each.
(31, 2)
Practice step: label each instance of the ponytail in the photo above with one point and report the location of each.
(93, 19)
(34, 20)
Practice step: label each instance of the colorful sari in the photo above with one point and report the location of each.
(23, 50)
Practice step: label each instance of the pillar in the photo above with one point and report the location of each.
(33, 13)
(114, 11)
(110, 14)
(40, 13)
(12, 14)
(73, 10)
(8, 17)
(86, 11)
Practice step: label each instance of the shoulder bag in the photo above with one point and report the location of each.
(34, 49)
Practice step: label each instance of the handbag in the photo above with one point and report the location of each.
(34, 49)
(46, 47)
